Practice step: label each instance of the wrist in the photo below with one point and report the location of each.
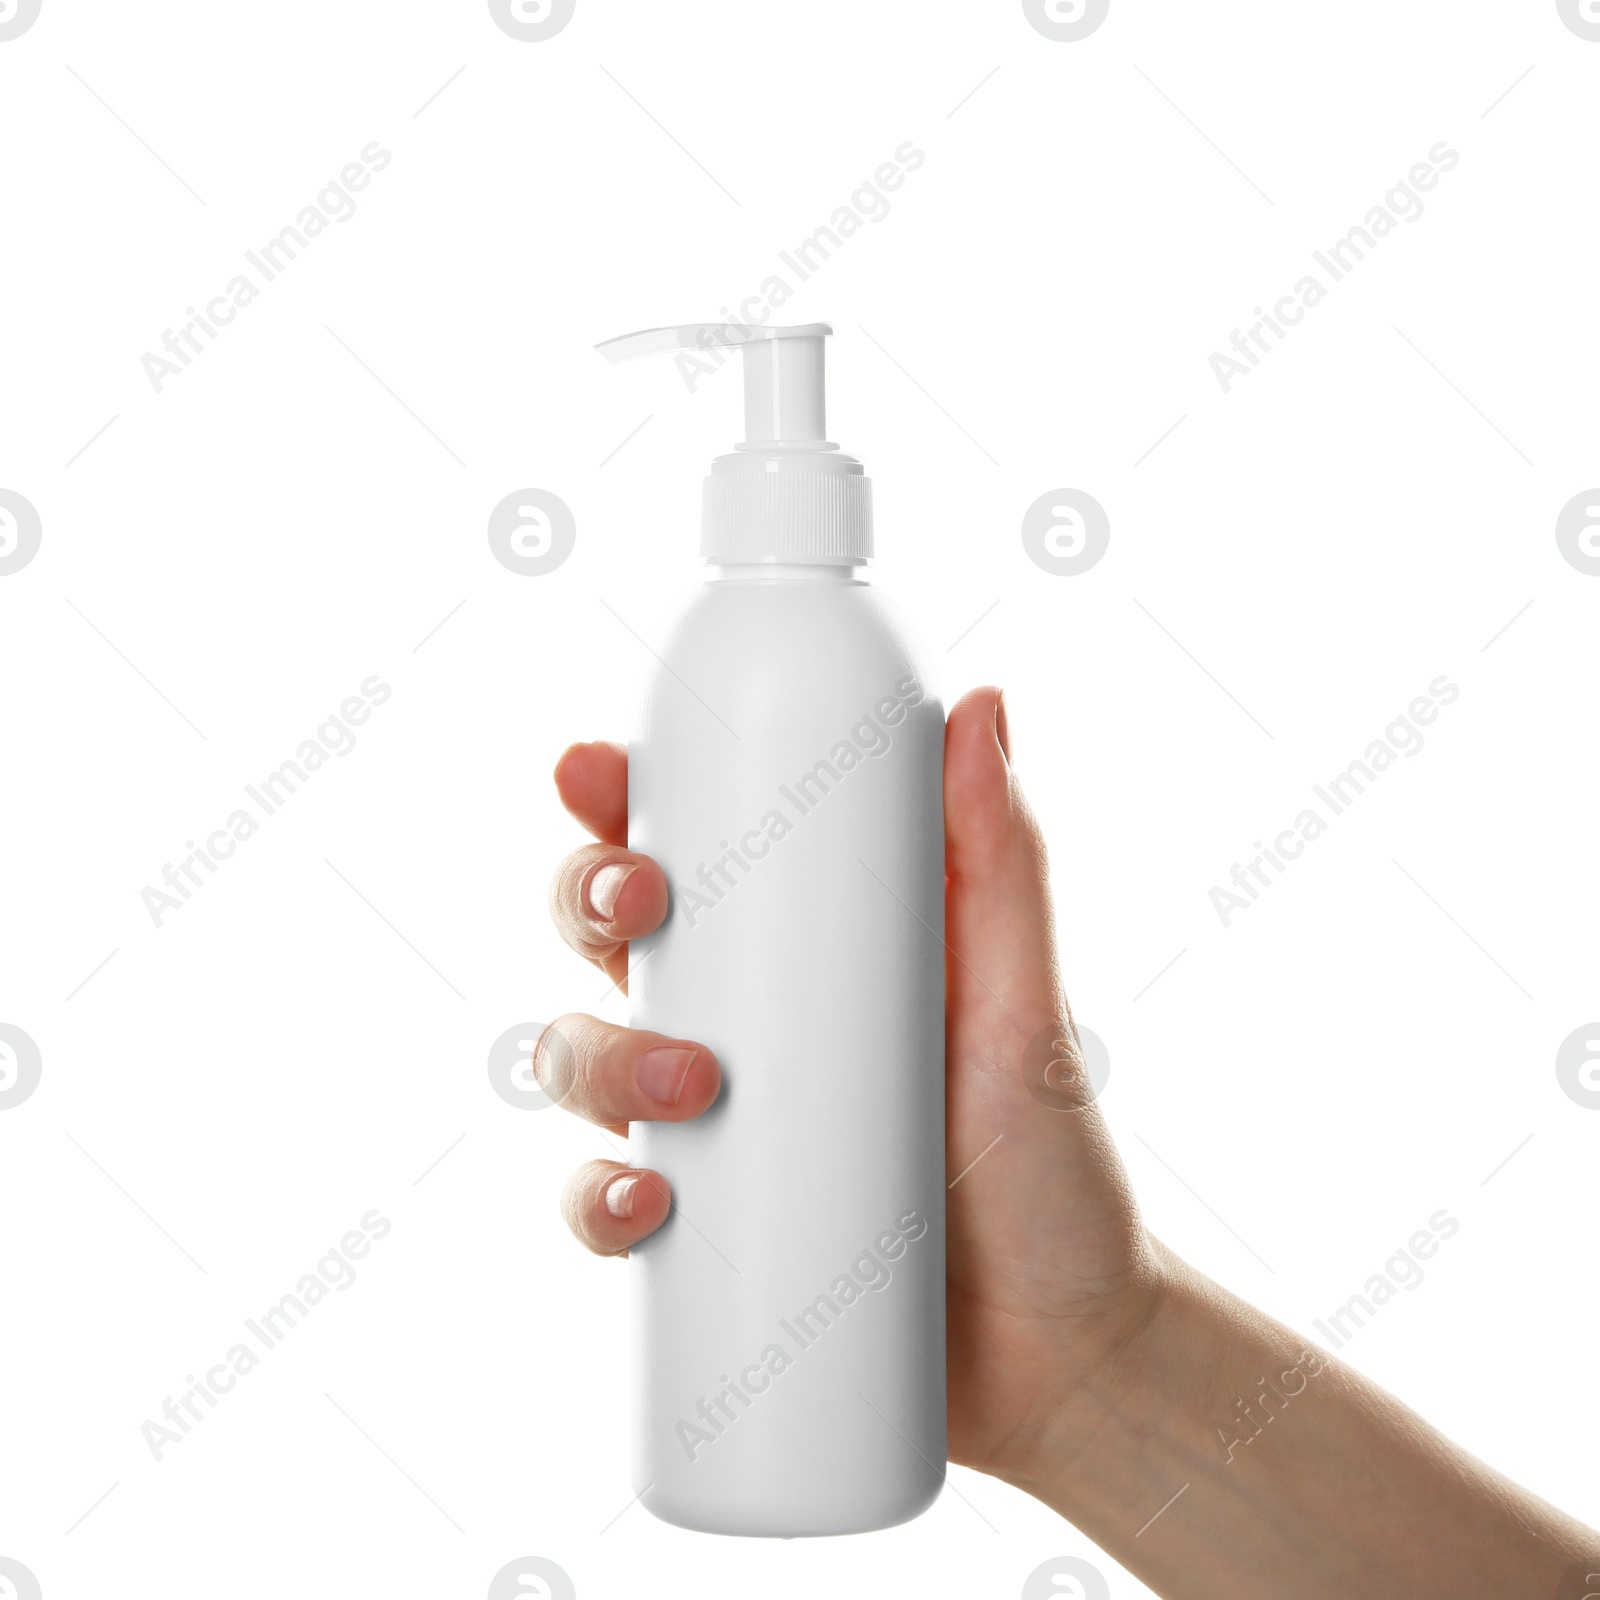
(1159, 1404)
(1092, 1412)
(1219, 1456)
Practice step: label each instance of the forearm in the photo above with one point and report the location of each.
(1224, 1458)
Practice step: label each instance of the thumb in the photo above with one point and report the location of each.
(1003, 986)
(1035, 1179)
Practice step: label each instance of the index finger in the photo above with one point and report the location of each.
(592, 781)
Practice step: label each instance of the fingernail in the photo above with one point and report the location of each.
(605, 888)
(619, 1197)
(661, 1072)
(1002, 728)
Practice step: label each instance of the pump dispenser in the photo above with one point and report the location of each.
(788, 1339)
(784, 493)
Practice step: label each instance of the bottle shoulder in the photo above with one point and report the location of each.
(752, 621)
(759, 647)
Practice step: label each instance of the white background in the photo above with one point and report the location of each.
(1367, 510)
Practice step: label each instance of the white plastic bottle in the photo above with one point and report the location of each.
(789, 1335)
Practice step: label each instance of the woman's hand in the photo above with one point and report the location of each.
(1050, 1273)
(1201, 1443)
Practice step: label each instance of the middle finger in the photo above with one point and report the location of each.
(613, 1075)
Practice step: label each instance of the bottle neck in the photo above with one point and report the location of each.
(785, 572)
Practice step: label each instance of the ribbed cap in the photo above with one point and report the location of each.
(786, 516)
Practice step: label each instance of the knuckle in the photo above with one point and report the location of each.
(572, 1201)
(579, 1195)
(558, 1056)
(566, 888)
(569, 907)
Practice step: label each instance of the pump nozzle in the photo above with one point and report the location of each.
(786, 493)
(783, 374)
